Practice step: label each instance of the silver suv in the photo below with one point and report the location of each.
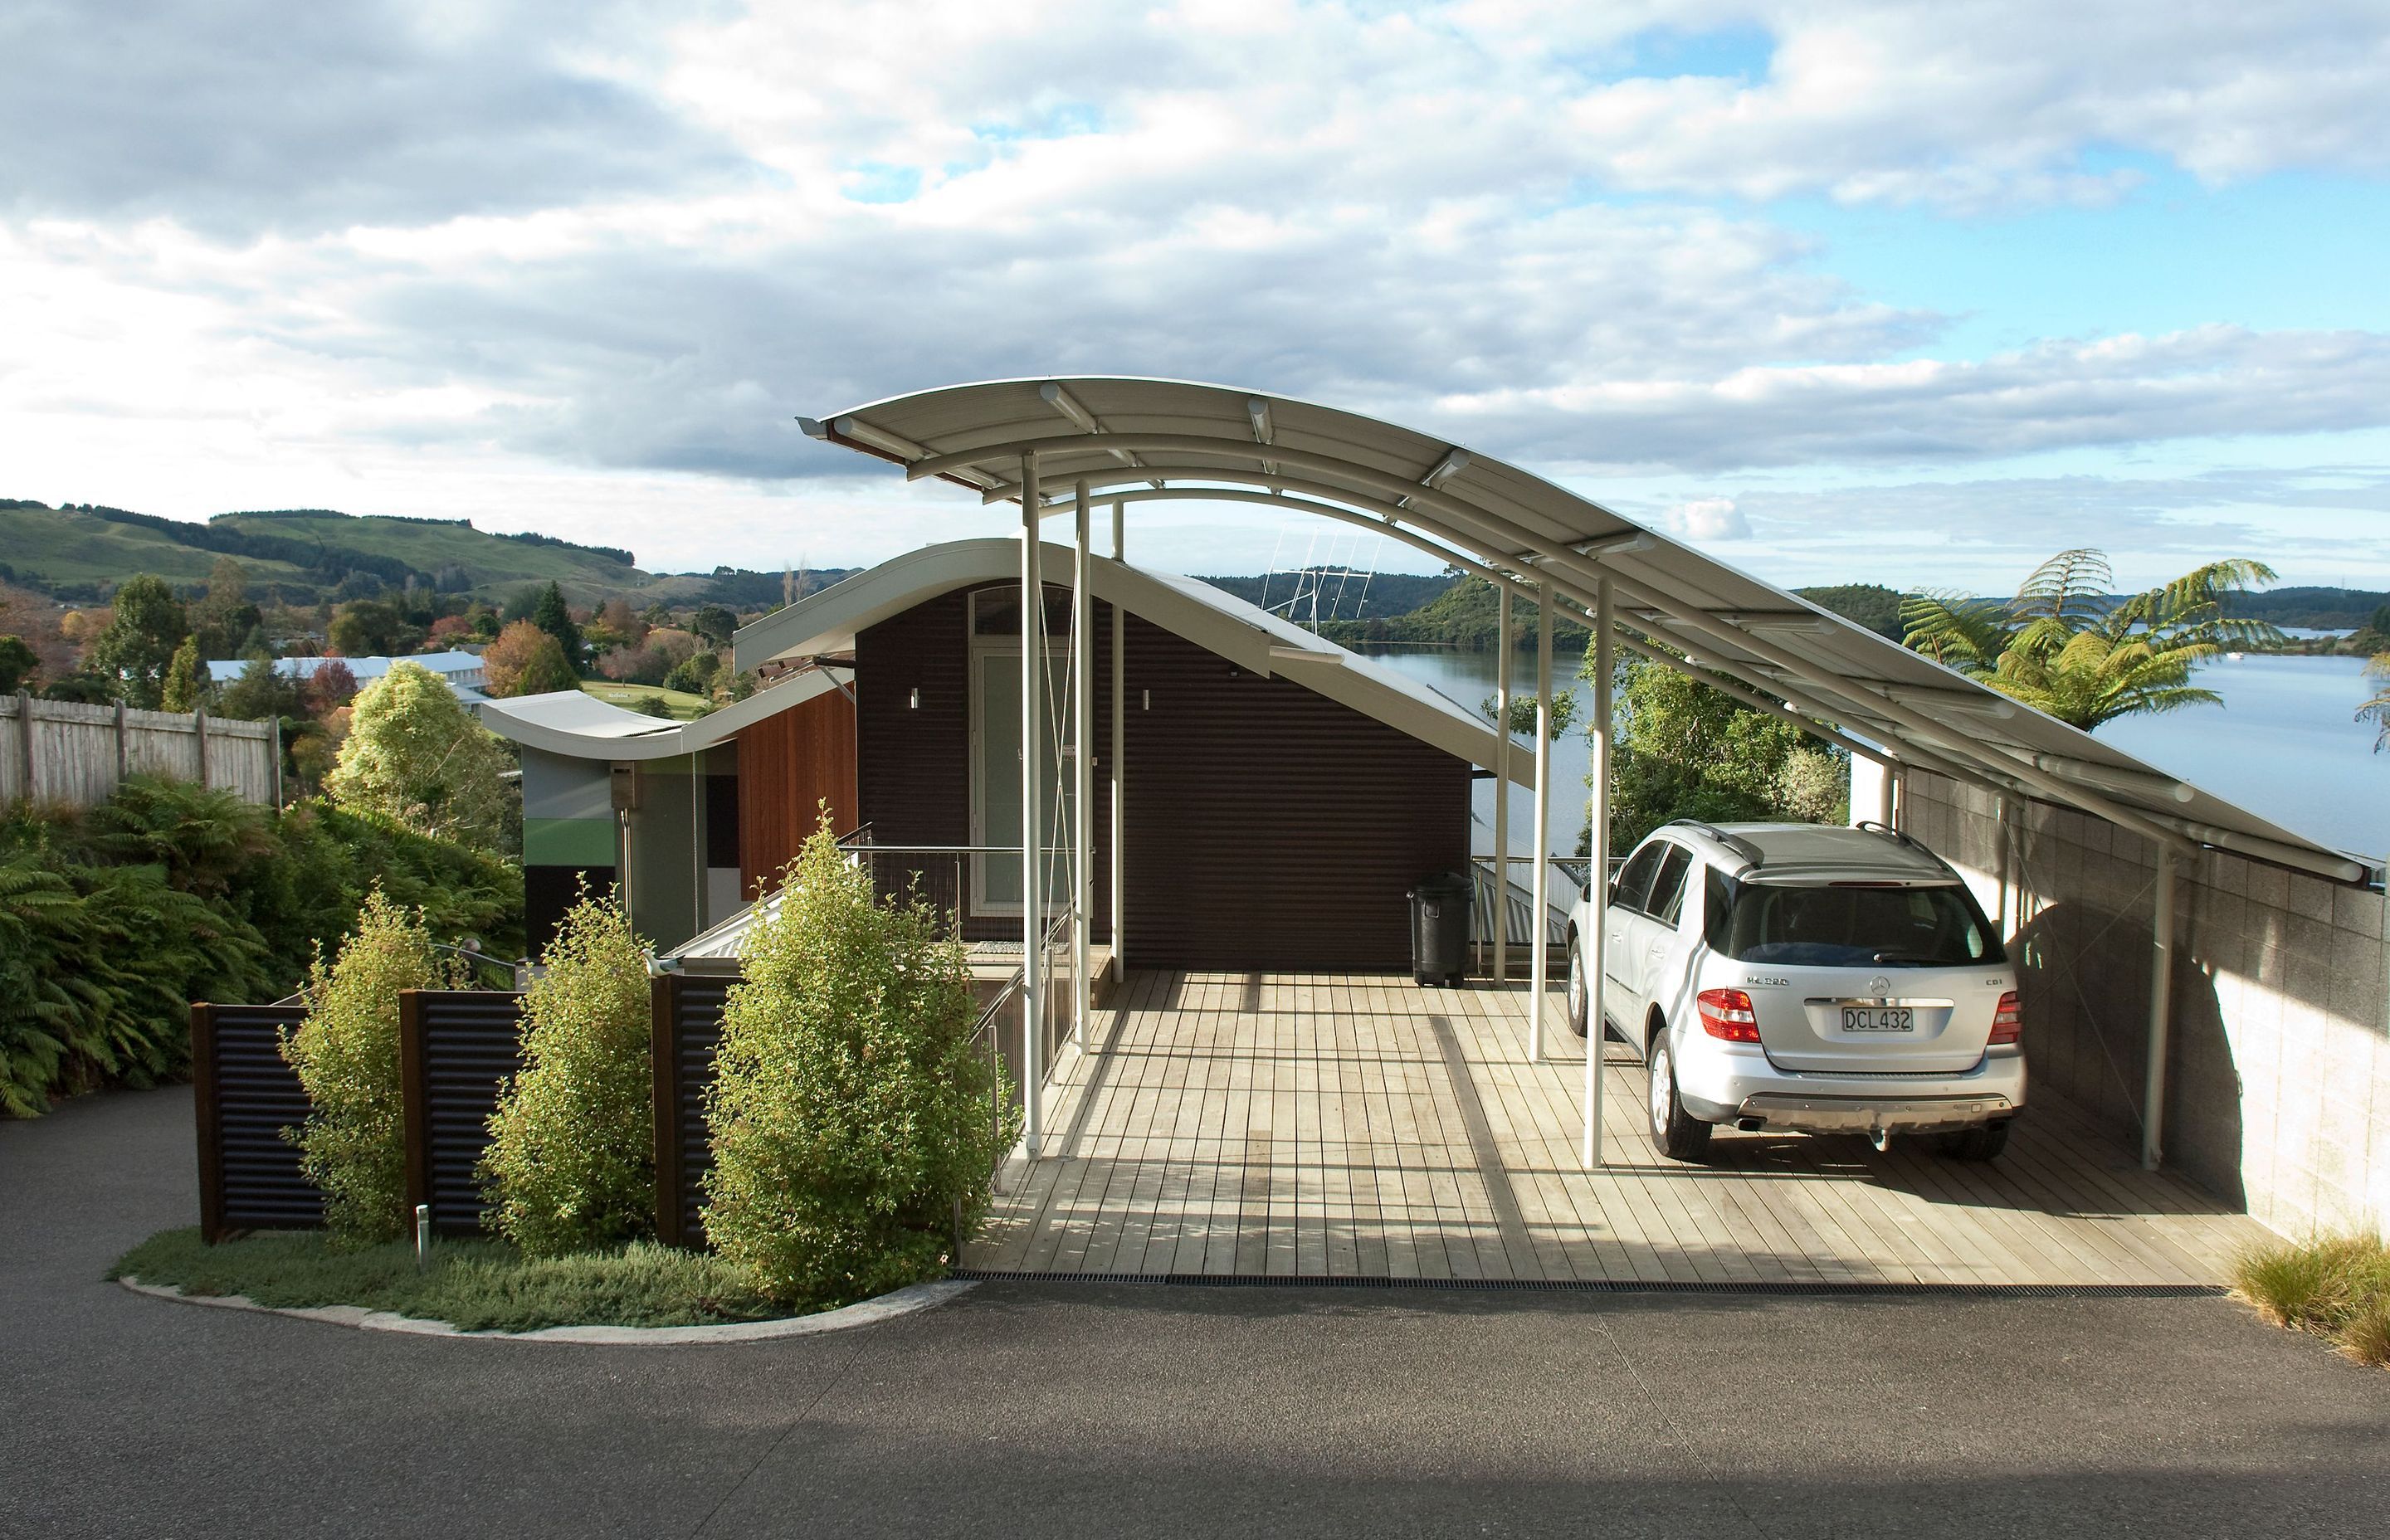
(1807, 978)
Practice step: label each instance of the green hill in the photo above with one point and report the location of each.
(80, 552)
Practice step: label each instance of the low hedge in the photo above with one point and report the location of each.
(474, 1285)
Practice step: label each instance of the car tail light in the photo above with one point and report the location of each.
(2008, 1022)
(1727, 1013)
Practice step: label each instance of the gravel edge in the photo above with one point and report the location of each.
(886, 1307)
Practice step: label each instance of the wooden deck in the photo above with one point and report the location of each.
(1302, 1124)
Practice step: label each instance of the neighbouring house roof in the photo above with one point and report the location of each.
(578, 725)
(1246, 634)
(461, 670)
(1138, 440)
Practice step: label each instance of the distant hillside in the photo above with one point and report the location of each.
(1376, 598)
(1868, 604)
(80, 552)
(2315, 609)
(1465, 614)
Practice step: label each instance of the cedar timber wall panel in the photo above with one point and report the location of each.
(788, 764)
(1269, 827)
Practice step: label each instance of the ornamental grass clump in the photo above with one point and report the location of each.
(850, 1109)
(345, 1053)
(571, 1165)
(2337, 1287)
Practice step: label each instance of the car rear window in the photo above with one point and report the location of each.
(1847, 927)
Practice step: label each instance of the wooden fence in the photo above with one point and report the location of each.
(63, 752)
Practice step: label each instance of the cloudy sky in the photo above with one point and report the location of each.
(1839, 290)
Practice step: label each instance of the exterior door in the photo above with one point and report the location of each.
(1655, 930)
(1621, 961)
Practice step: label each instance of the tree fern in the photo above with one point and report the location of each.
(2066, 648)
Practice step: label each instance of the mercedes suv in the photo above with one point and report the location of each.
(1805, 977)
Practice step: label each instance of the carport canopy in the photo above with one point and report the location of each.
(1056, 445)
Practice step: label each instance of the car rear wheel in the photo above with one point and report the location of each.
(1577, 994)
(1977, 1144)
(1674, 1131)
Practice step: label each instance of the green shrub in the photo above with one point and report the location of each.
(570, 1163)
(98, 967)
(353, 1145)
(849, 1108)
(113, 918)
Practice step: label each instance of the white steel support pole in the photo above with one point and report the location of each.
(1589, 948)
(2153, 1088)
(1033, 876)
(1883, 795)
(1502, 907)
(1082, 779)
(1539, 939)
(1120, 745)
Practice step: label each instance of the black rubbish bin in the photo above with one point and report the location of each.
(1440, 929)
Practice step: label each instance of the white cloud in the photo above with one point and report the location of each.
(625, 240)
(1707, 518)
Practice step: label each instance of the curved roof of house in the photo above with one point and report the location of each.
(1246, 634)
(580, 726)
(1144, 440)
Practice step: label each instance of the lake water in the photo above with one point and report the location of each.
(2285, 744)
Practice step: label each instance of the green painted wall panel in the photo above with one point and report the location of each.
(568, 841)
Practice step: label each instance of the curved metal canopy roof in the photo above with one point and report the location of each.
(1155, 440)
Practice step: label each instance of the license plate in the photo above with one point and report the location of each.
(1879, 1018)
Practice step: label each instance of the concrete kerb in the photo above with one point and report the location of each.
(886, 1307)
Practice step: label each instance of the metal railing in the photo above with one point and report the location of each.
(1566, 885)
(940, 876)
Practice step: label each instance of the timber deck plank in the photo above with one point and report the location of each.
(1355, 1125)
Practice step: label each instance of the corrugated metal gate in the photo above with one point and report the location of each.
(688, 1028)
(246, 1096)
(456, 1049)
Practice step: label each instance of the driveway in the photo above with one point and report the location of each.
(1135, 1408)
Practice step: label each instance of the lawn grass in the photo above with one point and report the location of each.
(2337, 1287)
(472, 1285)
(681, 704)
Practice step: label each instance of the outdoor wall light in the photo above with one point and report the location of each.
(914, 701)
(1148, 703)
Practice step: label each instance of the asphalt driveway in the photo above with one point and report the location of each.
(1084, 1410)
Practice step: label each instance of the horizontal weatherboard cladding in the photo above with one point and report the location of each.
(1268, 826)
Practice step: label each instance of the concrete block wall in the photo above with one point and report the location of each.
(2277, 1093)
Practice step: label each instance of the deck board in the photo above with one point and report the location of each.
(1318, 1125)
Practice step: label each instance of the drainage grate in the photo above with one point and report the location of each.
(1788, 1288)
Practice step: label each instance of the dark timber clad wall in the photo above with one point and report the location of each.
(1268, 826)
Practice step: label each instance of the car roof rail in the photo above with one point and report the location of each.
(1734, 842)
(1875, 827)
